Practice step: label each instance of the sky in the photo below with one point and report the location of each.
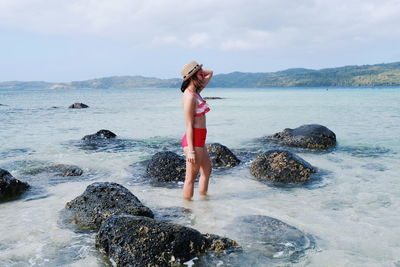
(70, 40)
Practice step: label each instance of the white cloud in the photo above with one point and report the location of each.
(198, 39)
(226, 25)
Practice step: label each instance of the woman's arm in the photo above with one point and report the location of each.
(189, 106)
(207, 76)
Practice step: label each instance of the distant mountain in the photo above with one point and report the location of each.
(366, 75)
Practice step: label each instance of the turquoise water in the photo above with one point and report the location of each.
(352, 210)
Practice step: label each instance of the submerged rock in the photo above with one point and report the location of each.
(100, 135)
(271, 236)
(281, 166)
(100, 201)
(10, 187)
(67, 170)
(313, 136)
(140, 241)
(59, 169)
(166, 166)
(221, 156)
(212, 97)
(179, 215)
(78, 105)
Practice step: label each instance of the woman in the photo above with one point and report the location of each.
(193, 142)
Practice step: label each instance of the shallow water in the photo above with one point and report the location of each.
(351, 209)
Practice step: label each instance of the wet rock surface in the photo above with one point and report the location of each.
(100, 201)
(272, 237)
(78, 105)
(100, 135)
(221, 156)
(67, 170)
(281, 166)
(58, 169)
(312, 136)
(10, 187)
(140, 241)
(166, 166)
(179, 215)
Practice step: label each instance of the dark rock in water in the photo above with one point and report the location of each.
(100, 201)
(67, 170)
(100, 135)
(221, 156)
(59, 169)
(166, 166)
(313, 136)
(281, 166)
(10, 187)
(78, 105)
(212, 97)
(139, 241)
(271, 236)
(179, 215)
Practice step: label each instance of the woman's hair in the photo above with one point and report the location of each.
(198, 84)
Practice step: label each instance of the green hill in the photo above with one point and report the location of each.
(366, 75)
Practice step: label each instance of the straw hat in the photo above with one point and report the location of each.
(189, 69)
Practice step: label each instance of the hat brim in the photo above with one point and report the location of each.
(193, 71)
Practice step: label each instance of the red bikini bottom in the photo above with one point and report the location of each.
(199, 138)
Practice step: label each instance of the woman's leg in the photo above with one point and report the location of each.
(191, 173)
(205, 171)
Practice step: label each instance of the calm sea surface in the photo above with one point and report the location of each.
(351, 209)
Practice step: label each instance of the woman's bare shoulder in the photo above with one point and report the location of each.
(188, 96)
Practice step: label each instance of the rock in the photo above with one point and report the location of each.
(271, 236)
(67, 170)
(166, 166)
(139, 241)
(221, 156)
(100, 201)
(10, 187)
(59, 169)
(78, 105)
(212, 97)
(281, 166)
(100, 135)
(313, 136)
(178, 215)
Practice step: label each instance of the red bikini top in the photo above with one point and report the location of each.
(202, 106)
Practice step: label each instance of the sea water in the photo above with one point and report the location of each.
(351, 209)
